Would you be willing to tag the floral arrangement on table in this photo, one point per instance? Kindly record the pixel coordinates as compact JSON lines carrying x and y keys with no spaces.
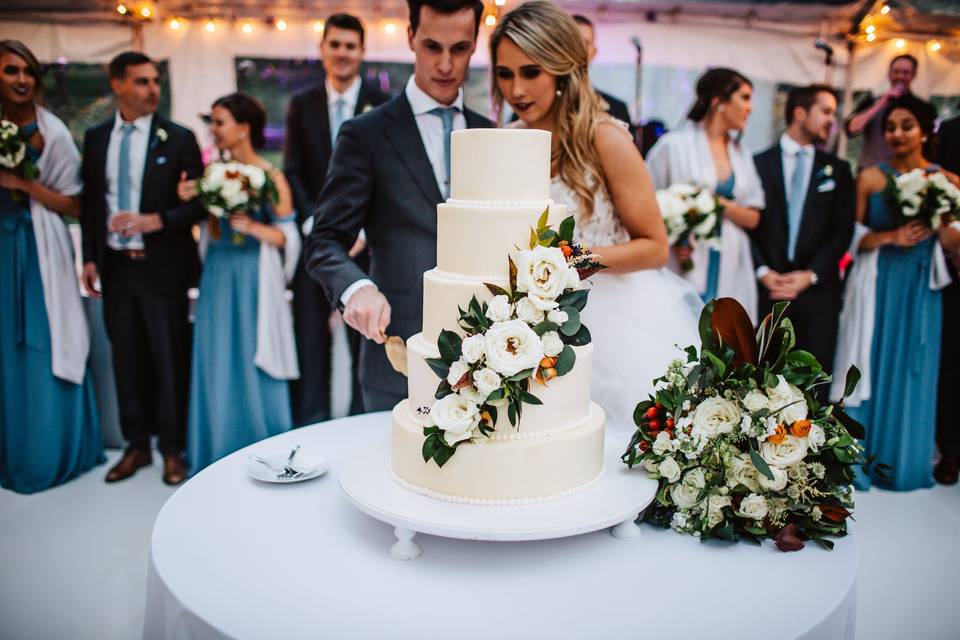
{"x":739,"y":442}
{"x":525,"y":333}
{"x":927,"y":196}
{"x":690,"y":213}
{"x":227,"y":188}
{"x":13,"y":153}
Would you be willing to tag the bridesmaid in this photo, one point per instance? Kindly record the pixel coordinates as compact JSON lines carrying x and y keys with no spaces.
{"x":238,"y":387}
{"x":900,"y":413}
{"x":706,"y":152}
{"x":49,"y":428}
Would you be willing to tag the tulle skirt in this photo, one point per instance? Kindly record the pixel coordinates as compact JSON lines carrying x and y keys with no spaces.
{"x":639,"y":323}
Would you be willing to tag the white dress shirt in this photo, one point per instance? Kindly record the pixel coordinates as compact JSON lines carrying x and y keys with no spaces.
{"x":431,"y":133}
{"x":139,"y":139}
{"x":350,"y":97}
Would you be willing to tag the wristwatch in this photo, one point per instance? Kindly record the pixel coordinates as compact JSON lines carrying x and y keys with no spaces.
{"x":814,"y":279}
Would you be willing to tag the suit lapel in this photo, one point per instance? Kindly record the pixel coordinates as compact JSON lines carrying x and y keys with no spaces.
{"x":321,"y":112}
{"x":154,"y":145}
{"x":808,"y":212}
{"x":362,"y":99}
{"x":475,"y":120}
{"x":404,"y":136}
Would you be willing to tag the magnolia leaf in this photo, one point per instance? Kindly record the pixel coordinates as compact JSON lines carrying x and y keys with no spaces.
{"x":496,"y":394}
{"x":430,"y":446}
{"x":450,"y":345}
{"x":731,"y":326}
{"x":566,"y":229}
{"x":496,"y":290}
{"x":439,"y":367}
{"x":853,"y":378}
{"x":443,"y":453}
{"x":717,"y":363}
{"x":565,"y":360}
{"x":572,"y":325}
{"x":853,"y":427}
{"x":760,"y":463}
{"x":640,"y":411}
{"x":512,"y":414}
{"x":443,"y":390}
{"x":529,"y":398}
{"x":691,"y":352}
{"x":706,"y":330}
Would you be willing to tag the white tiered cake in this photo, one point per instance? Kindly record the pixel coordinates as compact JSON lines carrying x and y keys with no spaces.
{"x":500,"y":185}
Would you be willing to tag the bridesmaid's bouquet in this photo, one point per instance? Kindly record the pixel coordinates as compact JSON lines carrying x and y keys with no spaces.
{"x":227,"y":188}
{"x":13,"y":153}
{"x":690,"y":213}
{"x":739,"y":442}
{"x":927,"y":196}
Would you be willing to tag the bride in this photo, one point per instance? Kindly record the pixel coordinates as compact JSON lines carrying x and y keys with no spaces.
{"x":640,"y":315}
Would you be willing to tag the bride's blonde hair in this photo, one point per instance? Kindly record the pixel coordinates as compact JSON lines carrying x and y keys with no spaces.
{"x":550,"y":37}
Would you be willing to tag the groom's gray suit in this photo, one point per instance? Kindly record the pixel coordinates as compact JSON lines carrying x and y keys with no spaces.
{"x":380,"y":180}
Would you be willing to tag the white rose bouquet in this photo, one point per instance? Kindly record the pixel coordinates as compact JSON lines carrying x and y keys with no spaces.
{"x":927,"y":196}
{"x":525,"y":333}
{"x":13,"y":153}
{"x":690,"y":213}
{"x":739,"y":442}
{"x":227,"y":188}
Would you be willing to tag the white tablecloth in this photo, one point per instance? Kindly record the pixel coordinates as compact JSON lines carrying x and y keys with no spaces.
{"x":235,"y":558}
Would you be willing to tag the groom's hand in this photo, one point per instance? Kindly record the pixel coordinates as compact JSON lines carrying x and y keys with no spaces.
{"x":368,"y":312}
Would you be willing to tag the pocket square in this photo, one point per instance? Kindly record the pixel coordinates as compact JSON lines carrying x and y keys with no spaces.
{"x":162,"y":160}
{"x":826,"y":185}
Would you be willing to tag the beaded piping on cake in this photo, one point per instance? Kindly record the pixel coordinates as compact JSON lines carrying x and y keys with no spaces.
{"x":522,"y":435}
{"x":493,"y":502}
{"x":459,"y":277}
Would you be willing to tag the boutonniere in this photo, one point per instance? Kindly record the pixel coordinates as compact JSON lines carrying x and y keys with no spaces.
{"x":828,"y":171}
{"x":367,"y":107}
{"x":160,"y":135}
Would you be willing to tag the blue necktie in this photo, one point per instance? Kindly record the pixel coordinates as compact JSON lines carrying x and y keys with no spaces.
{"x":338,"y":118}
{"x":446,"y":115}
{"x":798,"y":197}
{"x":123,"y":175}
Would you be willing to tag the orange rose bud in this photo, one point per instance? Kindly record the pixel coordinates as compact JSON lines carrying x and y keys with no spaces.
{"x":567,"y":250}
{"x":779,"y":435}
{"x":548,"y":362}
{"x":800,"y":428}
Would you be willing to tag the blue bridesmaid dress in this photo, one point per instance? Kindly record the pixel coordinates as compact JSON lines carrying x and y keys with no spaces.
{"x":724,"y":190}
{"x":232,"y":402}
{"x":49,"y":428}
{"x":900,"y":416}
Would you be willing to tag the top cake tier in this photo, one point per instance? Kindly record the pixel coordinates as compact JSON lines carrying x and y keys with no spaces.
{"x":500,"y":165}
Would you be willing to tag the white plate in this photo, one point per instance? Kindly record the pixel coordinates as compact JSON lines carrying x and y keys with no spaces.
{"x":311,"y":467}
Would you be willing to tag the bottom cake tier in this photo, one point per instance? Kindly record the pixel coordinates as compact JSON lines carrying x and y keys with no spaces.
{"x":509,"y":469}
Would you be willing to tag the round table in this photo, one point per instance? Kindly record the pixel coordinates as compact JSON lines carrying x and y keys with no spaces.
{"x":232,"y":557}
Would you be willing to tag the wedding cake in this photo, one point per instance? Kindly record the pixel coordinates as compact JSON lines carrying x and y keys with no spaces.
{"x":453,"y":438}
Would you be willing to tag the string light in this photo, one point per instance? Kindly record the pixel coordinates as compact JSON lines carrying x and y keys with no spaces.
{"x":122,"y":10}
{"x":145,"y":12}
{"x":174,"y":24}
{"x":390,"y":28}
{"x":871,"y":37}
{"x":935,"y":46}
{"x":900,"y":43}
{"x":247,"y":28}
{"x":885,"y":9}
{"x":491,"y":20}
{"x":499,"y":3}
{"x":318,"y":26}
{"x":281,"y":25}
{"x":870,"y":28}
{"x":210,"y":26}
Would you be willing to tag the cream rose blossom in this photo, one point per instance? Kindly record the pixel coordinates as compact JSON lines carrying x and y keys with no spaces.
{"x":754,"y":506}
{"x":487,"y":381}
{"x":529,"y":312}
{"x":542,"y":272}
{"x":669,"y":469}
{"x":472,"y":348}
{"x":512,"y":347}
{"x":499,"y":309}
{"x":789,"y":452}
{"x":552,"y":344}
{"x":457,"y":371}
{"x":456,"y":415}
{"x":714,"y":416}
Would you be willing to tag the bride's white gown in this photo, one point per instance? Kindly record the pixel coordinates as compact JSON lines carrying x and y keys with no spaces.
{"x":639,"y":321}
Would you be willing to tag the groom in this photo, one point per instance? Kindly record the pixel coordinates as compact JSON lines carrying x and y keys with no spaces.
{"x":807,"y":224}
{"x":389,"y":170}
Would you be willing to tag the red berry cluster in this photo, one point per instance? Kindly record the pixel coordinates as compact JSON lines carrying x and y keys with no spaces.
{"x":656,"y":420}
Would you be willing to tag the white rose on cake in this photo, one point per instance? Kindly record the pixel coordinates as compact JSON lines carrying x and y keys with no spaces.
{"x":754,"y":507}
{"x":552,"y":344}
{"x":457,"y":371}
{"x":573,"y":278}
{"x":714,"y":416}
{"x":472,"y":348}
{"x":472,"y":395}
{"x":784,"y":454}
{"x":487,"y":381}
{"x":512,"y":347}
{"x":529,"y":312}
{"x":787,"y":401}
{"x":499,"y":309}
{"x":542,"y":272}
{"x":456,"y":415}
{"x":558,"y":317}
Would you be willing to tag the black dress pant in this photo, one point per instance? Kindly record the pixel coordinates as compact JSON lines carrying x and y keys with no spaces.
{"x":948,"y":407}
{"x":150,"y":338}
{"x":310,"y":394}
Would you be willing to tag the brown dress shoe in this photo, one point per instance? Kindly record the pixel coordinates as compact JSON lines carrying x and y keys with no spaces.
{"x":947,"y":472}
{"x":132,"y":460}
{"x":174,"y":469}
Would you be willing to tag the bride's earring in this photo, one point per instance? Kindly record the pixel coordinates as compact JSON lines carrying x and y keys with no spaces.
{"x":923,"y":140}
{"x":720,"y":109}
{"x":559,"y":93}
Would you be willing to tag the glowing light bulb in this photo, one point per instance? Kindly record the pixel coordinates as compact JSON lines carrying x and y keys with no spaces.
{"x":390,"y":28}
{"x":318,"y":26}
{"x":122,"y":10}
{"x":174,"y":24}
{"x":146,"y":12}
{"x":935,"y":46}
{"x":491,"y":20}
{"x":870,"y":28}
{"x":885,"y":9}
{"x":281,"y":25}
{"x":900,"y":43}
{"x":210,"y":26}
{"x":247,"y":28}
{"x":499,"y":3}
{"x":871,"y":37}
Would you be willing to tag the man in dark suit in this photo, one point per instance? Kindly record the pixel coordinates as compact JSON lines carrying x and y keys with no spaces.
{"x":388,"y":173}
{"x":617,"y":108}
{"x":947,"y":470}
{"x":313,"y":121}
{"x":137,"y":241}
{"x":807,"y":224}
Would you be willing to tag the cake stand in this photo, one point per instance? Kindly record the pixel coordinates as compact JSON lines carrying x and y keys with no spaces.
{"x":613,"y":500}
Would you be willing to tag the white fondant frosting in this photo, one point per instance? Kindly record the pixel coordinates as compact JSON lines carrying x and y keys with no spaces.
{"x":500,"y":164}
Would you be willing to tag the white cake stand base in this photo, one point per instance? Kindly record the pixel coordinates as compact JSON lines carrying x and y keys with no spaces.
{"x":614,"y":500}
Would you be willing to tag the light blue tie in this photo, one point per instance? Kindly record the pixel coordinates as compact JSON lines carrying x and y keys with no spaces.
{"x":798,"y":197}
{"x":338,"y":118}
{"x":446,"y":115}
{"x":123,"y":175}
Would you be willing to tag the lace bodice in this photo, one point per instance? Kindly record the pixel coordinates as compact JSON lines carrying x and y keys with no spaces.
{"x":602,"y":228}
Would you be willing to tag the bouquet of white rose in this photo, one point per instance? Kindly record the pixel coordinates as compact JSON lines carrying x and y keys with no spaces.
{"x":741,"y":446}
{"x":927,"y":196}
{"x":690,"y":213}
{"x":525,"y":333}
{"x":13,"y":152}
{"x":232,"y":187}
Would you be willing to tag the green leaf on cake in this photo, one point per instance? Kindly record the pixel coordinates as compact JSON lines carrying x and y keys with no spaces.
{"x":443,"y":453}
{"x":439,"y":367}
{"x":526,"y":373}
{"x":450,"y":345}
{"x":529,"y":398}
{"x":565,"y":360}
{"x":543,"y":327}
{"x":548,"y":237}
{"x":576,"y":299}
{"x":542,"y":221}
{"x":580,"y":338}
{"x":566,"y":229}
{"x":572,"y":325}
{"x":496,"y":289}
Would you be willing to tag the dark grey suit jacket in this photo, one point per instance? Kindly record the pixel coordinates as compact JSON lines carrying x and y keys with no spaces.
{"x":380,"y":180}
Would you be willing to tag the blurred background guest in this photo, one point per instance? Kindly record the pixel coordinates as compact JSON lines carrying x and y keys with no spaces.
{"x":706,"y":151}
{"x":807,"y":223}
{"x":313,"y":121}
{"x":615,"y":107}
{"x":49,"y":428}
{"x":892,"y":315}
{"x":243,"y":346}
{"x":867,"y":118}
